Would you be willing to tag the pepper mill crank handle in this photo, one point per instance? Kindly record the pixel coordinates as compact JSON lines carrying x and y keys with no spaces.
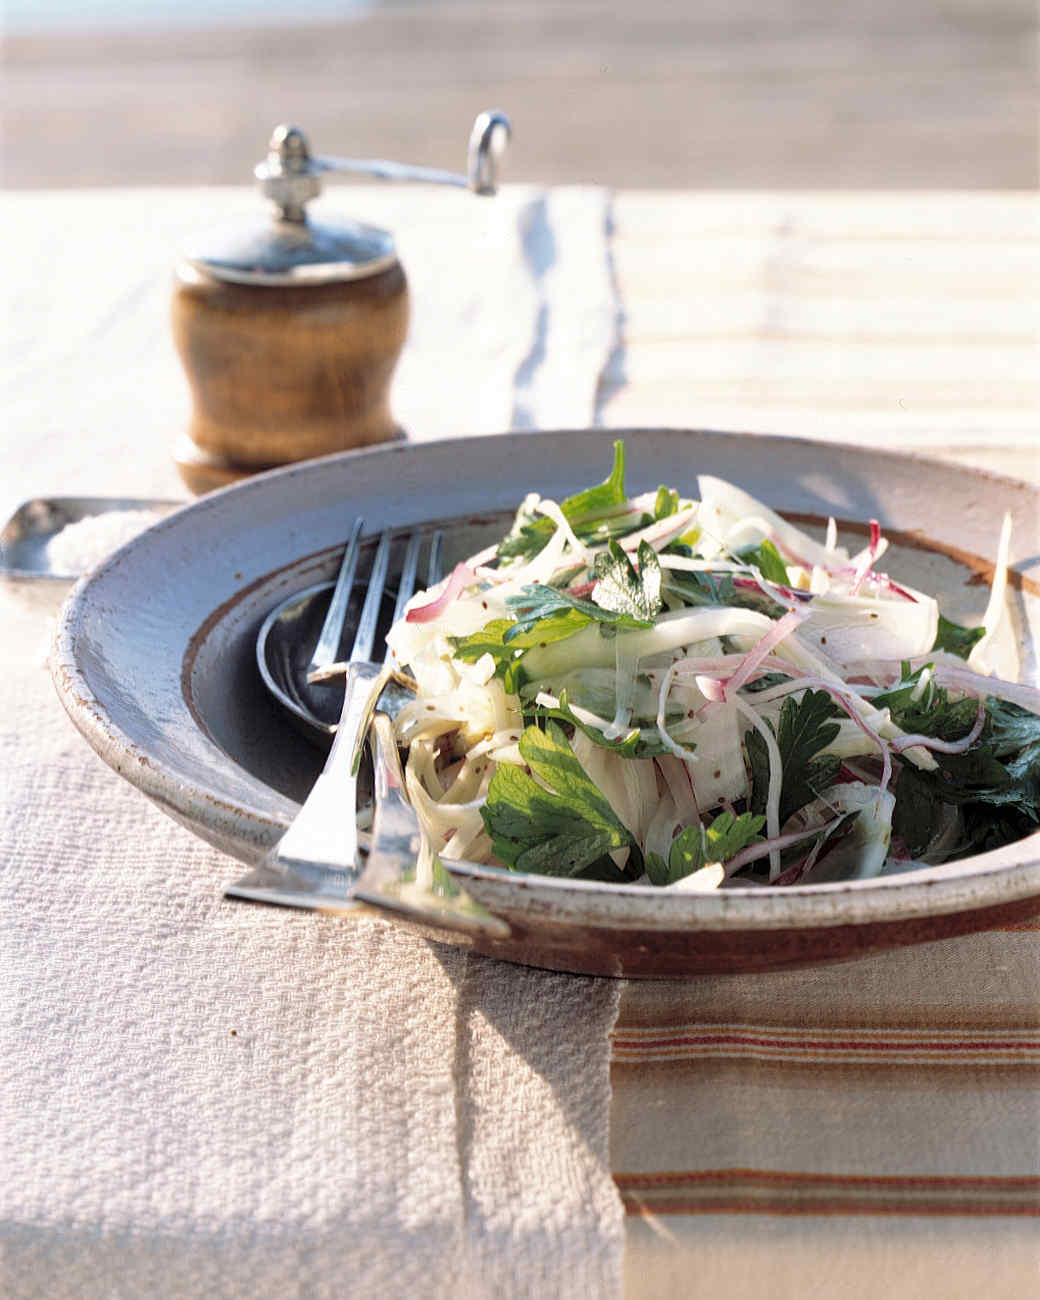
{"x":290,"y":175}
{"x":487,"y":144}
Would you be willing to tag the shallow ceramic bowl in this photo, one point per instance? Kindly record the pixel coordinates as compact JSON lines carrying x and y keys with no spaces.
{"x":155,"y":663}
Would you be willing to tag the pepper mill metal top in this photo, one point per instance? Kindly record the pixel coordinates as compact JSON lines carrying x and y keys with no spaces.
{"x":292,"y":249}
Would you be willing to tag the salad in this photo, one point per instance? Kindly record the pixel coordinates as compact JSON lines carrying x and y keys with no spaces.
{"x":691,"y":693}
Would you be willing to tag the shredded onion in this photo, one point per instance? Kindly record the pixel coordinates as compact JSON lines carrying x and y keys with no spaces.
{"x":462,"y":575}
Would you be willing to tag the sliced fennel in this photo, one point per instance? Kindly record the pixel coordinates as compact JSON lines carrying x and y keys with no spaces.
{"x":626,"y":686}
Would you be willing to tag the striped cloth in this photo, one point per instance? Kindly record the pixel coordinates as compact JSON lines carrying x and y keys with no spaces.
{"x":875,"y":1122}
{"x":869,"y":1129}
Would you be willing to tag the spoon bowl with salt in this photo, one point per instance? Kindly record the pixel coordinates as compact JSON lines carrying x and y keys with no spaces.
{"x":50,"y":542}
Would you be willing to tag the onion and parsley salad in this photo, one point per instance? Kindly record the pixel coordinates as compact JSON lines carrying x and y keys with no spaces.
{"x":683,"y":693}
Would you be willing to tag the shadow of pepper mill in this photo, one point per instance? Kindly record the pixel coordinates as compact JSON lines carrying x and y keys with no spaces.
{"x":289,"y":332}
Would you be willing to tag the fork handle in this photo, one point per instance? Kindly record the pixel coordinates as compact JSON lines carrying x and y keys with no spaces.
{"x":391,"y":879}
{"x":324,"y":834}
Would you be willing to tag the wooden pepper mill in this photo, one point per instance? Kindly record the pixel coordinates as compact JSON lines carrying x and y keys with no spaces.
{"x":289,"y":333}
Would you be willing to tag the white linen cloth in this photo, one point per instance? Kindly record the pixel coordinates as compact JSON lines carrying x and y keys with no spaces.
{"x":199,"y":1098}
{"x":908,"y":320}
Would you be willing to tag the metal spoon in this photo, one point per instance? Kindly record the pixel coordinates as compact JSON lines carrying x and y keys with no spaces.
{"x":289,"y":641}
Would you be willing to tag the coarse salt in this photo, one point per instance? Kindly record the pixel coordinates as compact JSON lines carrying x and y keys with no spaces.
{"x":86,"y":542}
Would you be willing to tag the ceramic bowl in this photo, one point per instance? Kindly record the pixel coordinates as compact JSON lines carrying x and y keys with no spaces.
{"x":155,"y":662}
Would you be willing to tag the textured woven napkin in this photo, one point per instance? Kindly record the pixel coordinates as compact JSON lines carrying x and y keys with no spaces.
{"x":199,"y":1098}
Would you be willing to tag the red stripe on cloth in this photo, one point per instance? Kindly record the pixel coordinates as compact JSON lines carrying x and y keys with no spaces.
{"x":976,"y":1182}
{"x":865,"y":1043}
{"x":910,"y":1209}
{"x":761,"y":1191}
{"x":1011,"y":1049}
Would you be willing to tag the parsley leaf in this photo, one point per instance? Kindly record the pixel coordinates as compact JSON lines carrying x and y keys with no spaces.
{"x":551,"y":820}
{"x":594,"y":500}
{"x":806,"y":727}
{"x":766,"y":559}
{"x":956,"y":639}
{"x":490,"y":640}
{"x":637,"y":743}
{"x":620,"y":588}
{"x":555,"y":616}
{"x":696,"y":846}
{"x":582,"y":511}
{"x":665,"y":503}
{"x":559,"y":614}
{"x":700,"y":588}
{"x":916,"y":811}
{"x":901,"y":694}
{"x":928,"y":711}
{"x":623,"y":598}
{"x":707,"y":588}
{"x":506,"y":639}
{"x":996,"y":785}
{"x":1013,"y":734}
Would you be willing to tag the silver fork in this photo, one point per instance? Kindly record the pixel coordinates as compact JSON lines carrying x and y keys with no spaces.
{"x":316,"y":862}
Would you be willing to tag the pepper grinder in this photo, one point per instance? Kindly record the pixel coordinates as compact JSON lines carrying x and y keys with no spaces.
{"x":289,"y":332}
